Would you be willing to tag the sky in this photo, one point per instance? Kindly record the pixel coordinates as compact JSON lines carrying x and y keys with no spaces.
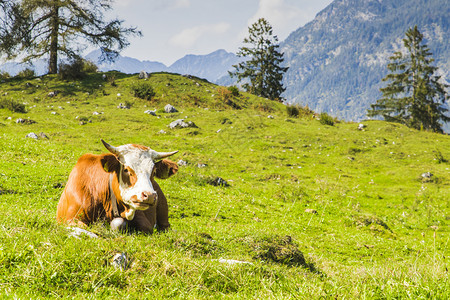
{"x":174,"y":28}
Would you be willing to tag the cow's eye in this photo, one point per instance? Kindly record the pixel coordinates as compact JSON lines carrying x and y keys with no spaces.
{"x":125,"y":171}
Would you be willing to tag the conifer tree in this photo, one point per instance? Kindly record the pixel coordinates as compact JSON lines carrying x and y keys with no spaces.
{"x":47,"y":28}
{"x":413,"y":96}
{"x":262,"y":74}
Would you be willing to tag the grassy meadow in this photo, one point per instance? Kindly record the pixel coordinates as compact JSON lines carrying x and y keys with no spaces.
{"x":314,"y":210}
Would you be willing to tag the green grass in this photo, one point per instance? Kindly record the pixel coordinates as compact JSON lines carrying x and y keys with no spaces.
{"x":379,"y":230}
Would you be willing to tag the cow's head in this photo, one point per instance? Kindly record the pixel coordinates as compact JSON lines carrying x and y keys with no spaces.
{"x":137,"y":165}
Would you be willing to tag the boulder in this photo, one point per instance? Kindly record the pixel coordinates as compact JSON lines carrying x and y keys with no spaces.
{"x":43,"y":135}
{"x":121,"y":261}
{"x":182,"y":163}
{"x":25,"y":121}
{"x":180,"y":123}
{"x":150,"y":112}
{"x":170,"y":109}
{"x":143,"y":75}
{"x":123,"y":106}
{"x":32,"y":135}
{"x":218,"y":181}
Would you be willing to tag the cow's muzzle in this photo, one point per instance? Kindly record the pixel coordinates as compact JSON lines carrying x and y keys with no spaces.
{"x":146,"y":199}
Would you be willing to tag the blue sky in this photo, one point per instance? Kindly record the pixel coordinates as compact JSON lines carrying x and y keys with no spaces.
{"x":174,"y":28}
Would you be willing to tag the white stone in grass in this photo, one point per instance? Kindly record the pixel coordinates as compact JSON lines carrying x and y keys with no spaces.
{"x":121,"y":261}
{"x":233,"y":261}
{"x":32,"y":135}
{"x":76,"y":232}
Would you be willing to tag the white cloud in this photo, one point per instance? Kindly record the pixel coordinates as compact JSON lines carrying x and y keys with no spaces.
{"x":155,"y":4}
{"x":189,"y":36}
{"x":283,"y":16}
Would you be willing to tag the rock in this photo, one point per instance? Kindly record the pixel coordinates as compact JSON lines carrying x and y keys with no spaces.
{"x":218,"y":182}
{"x":123,"y":106}
{"x":104,"y":77}
{"x":170,"y":109}
{"x":270,"y":117}
{"x":52,"y":94}
{"x":200,"y":165}
{"x":43,"y":135}
{"x":32,"y":135}
{"x":361,"y":126}
{"x":143,"y":75}
{"x":119,"y":95}
{"x":121,"y":261}
{"x":76,"y":232}
{"x":25,"y":121}
{"x":182,"y":163}
{"x":161,"y":132}
{"x":427,"y":175}
{"x":150,"y":112}
{"x":95,"y":113}
{"x":311,"y":211}
{"x":233,"y":261}
{"x":181,"y":124}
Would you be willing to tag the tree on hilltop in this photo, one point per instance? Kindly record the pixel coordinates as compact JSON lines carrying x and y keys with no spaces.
{"x":32,"y":29}
{"x":262,"y":73}
{"x":413,"y":96}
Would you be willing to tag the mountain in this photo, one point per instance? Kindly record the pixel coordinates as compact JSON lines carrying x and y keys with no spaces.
{"x":337,"y":61}
{"x":210,"y":66}
{"x":125,"y":64}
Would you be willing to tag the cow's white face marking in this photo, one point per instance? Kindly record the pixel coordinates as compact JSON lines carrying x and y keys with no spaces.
{"x":137,"y":163}
{"x":135,"y":185}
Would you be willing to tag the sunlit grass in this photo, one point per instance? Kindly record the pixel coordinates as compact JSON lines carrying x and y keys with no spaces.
{"x":353,"y":202}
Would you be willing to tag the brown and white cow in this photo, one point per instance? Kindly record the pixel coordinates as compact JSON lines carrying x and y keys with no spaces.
{"x":118,"y":185}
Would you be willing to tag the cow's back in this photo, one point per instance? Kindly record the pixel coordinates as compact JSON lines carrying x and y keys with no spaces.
{"x":87,"y":189}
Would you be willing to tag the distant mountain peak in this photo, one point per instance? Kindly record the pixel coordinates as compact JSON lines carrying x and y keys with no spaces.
{"x":336,"y":62}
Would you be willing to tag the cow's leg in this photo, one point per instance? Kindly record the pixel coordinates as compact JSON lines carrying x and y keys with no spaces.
{"x":144,"y":220}
{"x":162,"y":210}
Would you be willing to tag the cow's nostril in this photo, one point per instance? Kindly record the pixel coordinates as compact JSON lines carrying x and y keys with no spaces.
{"x":144,"y":195}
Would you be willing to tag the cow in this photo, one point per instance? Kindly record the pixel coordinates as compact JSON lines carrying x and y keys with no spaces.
{"x":118,"y":186}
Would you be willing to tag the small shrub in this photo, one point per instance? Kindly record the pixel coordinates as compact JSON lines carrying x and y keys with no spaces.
{"x":292,"y":111}
{"x":111,"y":79}
{"x":234,"y":90}
{"x":4,"y":75}
{"x":439,"y":158}
{"x":72,"y":71}
{"x":143,"y":90}
{"x":89,"y":67}
{"x":326,"y":119}
{"x":280,"y":250}
{"x":12,"y":105}
{"x":128,"y":104}
{"x":26,"y":73}
{"x":224,"y":93}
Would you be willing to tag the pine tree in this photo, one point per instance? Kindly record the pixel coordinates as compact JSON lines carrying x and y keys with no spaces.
{"x":262,"y":74}
{"x":413,"y":96}
{"x":50,"y":28}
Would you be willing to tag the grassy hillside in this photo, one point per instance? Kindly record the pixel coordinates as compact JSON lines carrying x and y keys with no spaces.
{"x":316,"y":210}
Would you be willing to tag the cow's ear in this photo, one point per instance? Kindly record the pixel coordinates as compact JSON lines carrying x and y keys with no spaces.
{"x":110,"y":163}
{"x":165,"y":168}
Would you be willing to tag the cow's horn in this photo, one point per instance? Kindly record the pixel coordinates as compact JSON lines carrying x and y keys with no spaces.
{"x":161,"y":155}
{"x":110,"y":148}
